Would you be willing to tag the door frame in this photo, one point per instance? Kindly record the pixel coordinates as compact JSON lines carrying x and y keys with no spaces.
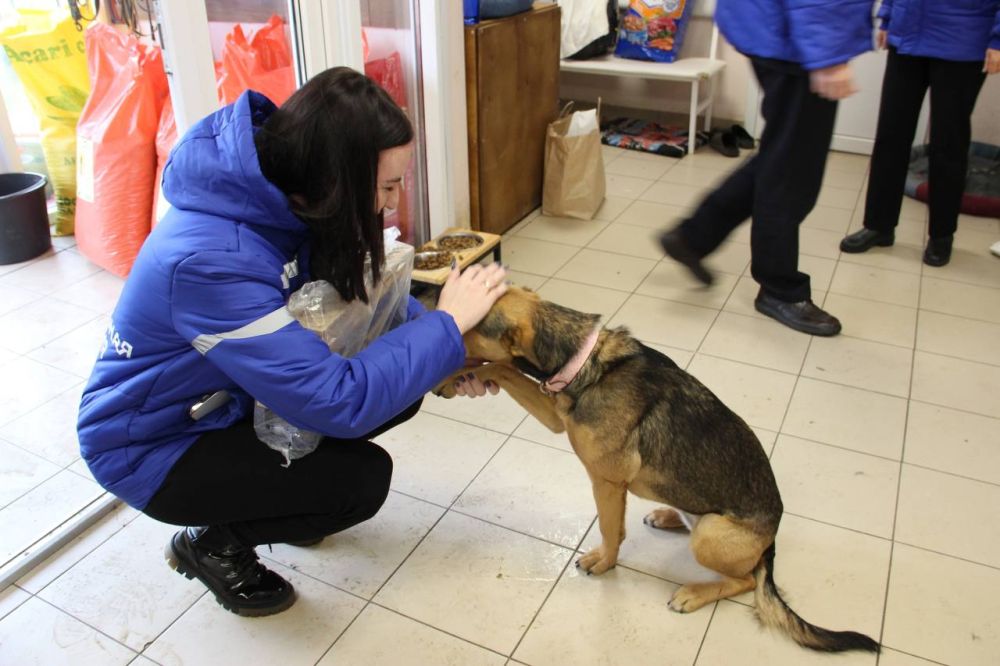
{"x":10,"y":159}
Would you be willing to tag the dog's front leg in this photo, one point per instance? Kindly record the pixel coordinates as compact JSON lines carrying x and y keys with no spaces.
{"x":610,"y":498}
{"x":525,"y":393}
{"x":523,"y":389}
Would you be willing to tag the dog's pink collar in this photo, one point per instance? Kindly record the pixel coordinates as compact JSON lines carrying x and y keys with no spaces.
{"x":565,"y":377}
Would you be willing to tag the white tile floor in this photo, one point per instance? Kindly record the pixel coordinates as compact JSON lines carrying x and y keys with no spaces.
{"x":885,"y":442}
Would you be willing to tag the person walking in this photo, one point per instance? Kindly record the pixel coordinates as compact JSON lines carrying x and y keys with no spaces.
{"x":800,"y":53}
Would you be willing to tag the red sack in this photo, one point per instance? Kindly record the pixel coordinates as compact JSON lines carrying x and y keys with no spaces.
{"x":388,"y":73}
{"x":116,"y":152}
{"x":263,"y":64}
{"x":166,"y":137}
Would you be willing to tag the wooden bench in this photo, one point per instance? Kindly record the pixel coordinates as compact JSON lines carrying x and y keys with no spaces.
{"x":693,"y":71}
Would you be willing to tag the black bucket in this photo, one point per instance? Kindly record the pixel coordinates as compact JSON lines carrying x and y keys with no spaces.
{"x":24,"y":218}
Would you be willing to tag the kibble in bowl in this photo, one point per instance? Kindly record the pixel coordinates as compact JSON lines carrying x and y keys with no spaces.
{"x":431,"y":261}
{"x":460,"y":241}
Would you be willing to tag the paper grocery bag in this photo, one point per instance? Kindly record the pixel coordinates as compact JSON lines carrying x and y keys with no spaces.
{"x":574,"y":166}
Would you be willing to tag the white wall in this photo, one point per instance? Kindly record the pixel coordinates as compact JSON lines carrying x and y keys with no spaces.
{"x":731,"y":95}
{"x":637,"y":93}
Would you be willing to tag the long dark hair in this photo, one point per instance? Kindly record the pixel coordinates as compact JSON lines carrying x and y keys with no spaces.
{"x":321,"y":148}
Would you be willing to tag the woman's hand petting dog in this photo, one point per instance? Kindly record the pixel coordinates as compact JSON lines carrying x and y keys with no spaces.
{"x":469,"y":295}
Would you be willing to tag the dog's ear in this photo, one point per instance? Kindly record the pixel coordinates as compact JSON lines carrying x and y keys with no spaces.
{"x":506,"y":331}
{"x":497,"y":334}
{"x":494,"y":326}
{"x":511,"y":340}
{"x":510,"y":322}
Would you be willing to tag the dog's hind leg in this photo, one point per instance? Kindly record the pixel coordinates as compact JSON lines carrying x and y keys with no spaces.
{"x":693,"y":596}
{"x":610,"y":497}
{"x":729,"y":547}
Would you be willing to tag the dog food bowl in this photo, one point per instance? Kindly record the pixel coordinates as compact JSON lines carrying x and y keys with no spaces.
{"x":459,"y":241}
{"x":432,"y":260}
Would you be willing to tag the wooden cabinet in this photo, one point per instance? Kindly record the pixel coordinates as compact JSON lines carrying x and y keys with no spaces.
{"x":512,"y":94}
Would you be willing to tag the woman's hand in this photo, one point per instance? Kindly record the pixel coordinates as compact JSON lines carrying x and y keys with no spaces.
{"x":473,"y":386}
{"x":881,"y":39}
{"x":468,"y":296}
{"x":834,"y":82}
{"x":992,"y":64}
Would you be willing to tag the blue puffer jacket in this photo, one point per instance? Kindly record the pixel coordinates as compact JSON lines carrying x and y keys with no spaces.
{"x":959,"y":30}
{"x":812,"y":33}
{"x":204,"y":310}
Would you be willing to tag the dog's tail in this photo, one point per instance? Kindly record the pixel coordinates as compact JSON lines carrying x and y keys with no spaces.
{"x":774,"y":612}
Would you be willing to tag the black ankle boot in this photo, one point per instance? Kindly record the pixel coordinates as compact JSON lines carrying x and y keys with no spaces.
{"x":938,"y":251}
{"x":232,"y":572}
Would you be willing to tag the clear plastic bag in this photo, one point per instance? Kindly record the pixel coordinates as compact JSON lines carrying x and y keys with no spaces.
{"x":346,"y":327}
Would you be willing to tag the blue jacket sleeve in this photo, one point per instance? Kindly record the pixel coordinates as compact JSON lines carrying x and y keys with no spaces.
{"x":995,"y":35}
{"x":884,"y":12}
{"x":236,"y":316}
{"x":414,"y":309}
{"x":829,"y":33}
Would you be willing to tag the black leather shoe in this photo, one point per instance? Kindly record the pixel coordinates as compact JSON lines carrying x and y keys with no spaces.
{"x":306,"y":543}
{"x":677,"y":249}
{"x":803,"y":316}
{"x":724,"y":142}
{"x":938,"y":251}
{"x":864,"y":240}
{"x":233,"y":573}
{"x":743,"y":138}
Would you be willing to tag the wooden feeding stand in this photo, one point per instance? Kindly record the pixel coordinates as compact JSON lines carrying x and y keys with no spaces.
{"x":466,"y":256}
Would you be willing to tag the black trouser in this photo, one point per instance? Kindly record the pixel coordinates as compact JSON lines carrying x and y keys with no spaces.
{"x":778,"y":186}
{"x":954,"y":88}
{"x":230,"y":479}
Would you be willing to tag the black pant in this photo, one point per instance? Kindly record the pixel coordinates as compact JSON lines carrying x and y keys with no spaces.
{"x":229,"y":478}
{"x":954,"y":88}
{"x":778,"y":186}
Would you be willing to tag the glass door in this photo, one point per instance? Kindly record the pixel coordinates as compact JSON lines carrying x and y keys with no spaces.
{"x":391,"y":43}
{"x":21,"y":129}
{"x":252,"y":47}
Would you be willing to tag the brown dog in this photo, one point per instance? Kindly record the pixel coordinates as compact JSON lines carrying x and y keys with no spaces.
{"x":640,"y":423}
